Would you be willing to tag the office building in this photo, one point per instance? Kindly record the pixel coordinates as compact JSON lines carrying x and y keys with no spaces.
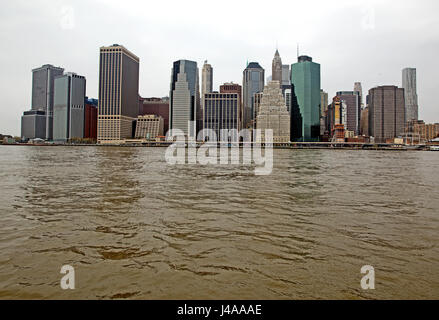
{"x":91,"y":119}
{"x":353,"y":109}
{"x":231,"y":87}
{"x":386,"y":113}
{"x":118,"y":94}
{"x":184,"y":101}
{"x":33,"y":125}
{"x":221,"y":111}
{"x":305,"y":78}
{"x":43,"y":93}
{"x":358,"y":88}
{"x":410,"y":94}
{"x":273,"y":113}
{"x":68,"y":109}
{"x":149,"y":127}
{"x":253,"y":82}
{"x":276,"y":68}
{"x":364,"y":122}
{"x":157,"y":106}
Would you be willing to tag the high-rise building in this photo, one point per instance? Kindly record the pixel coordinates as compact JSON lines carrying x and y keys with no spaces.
{"x":287,"y":95}
{"x":286,"y":76}
{"x":358,"y":88}
{"x":43,"y":93}
{"x":118,"y":93}
{"x":184,"y":101}
{"x":257,"y":99}
{"x":68,"y":108}
{"x":33,"y":125}
{"x":206,"y":78}
{"x":91,"y":119}
{"x":231,"y":87}
{"x":411,"y":96}
{"x":323,"y":102}
{"x":157,"y":106}
{"x":253,"y":82}
{"x":364,"y":122}
{"x":353,"y":109}
{"x":305,"y":78}
{"x":276,"y":71}
{"x":386,"y":112}
{"x":221,"y":111}
{"x":273,"y":113}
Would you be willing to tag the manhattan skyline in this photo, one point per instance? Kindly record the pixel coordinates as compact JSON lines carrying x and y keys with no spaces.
{"x":370,"y":45}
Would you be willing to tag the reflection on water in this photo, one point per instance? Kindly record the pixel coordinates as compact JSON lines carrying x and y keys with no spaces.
{"x":134,"y":227}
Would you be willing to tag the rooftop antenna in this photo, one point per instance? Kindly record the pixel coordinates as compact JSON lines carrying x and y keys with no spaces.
{"x":297,"y":50}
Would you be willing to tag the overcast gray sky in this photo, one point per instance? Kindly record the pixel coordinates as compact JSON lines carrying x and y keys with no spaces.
{"x":353,"y":40}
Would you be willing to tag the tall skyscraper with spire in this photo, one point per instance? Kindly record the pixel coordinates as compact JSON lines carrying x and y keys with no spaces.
{"x":276,"y":71}
{"x":411,"y":97}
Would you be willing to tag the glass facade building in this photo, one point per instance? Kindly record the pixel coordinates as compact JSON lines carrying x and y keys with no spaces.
{"x":253,"y":82}
{"x":305,"y":80}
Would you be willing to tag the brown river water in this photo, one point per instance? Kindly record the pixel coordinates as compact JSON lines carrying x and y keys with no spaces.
{"x":135,"y":227}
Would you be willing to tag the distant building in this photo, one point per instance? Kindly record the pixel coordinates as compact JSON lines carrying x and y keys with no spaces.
{"x":33,"y":125}
{"x":323,"y":111}
{"x":364,"y":122}
{"x":91,"y":119}
{"x":68,"y":109}
{"x":257,"y":98}
{"x":273,"y":114}
{"x":386,"y":113}
{"x":253,"y":82}
{"x":286,"y":76}
{"x":157,"y":106}
{"x":410,"y":93}
{"x":221,"y":111}
{"x":420,"y":131}
{"x":184,"y":104}
{"x":305,"y":79}
{"x":276,"y":71}
{"x":43,"y":93}
{"x":353,"y":109}
{"x":358,"y":88}
{"x":118,"y":93}
{"x":231,"y":87}
{"x":149,"y":127}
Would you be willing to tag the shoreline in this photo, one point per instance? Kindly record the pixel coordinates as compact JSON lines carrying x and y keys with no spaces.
{"x":281,"y":146}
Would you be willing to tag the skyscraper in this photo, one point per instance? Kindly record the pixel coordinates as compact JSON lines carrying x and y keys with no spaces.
{"x":286,"y":77}
{"x":353,"y":109}
{"x":68,"y":109}
{"x":43,"y":93}
{"x":273,"y":113}
{"x":118,"y":93}
{"x":184,"y":103}
{"x":305,"y":78}
{"x":276,"y":71}
{"x":358,"y":88}
{"x":206,"y":81}
{"x":221,"y":111}
{"x":386,"y":112}
{"x":253,"y":82}
{"x":411,"y":96}
{"x":231,"y":87}
{"x":206,"y":78}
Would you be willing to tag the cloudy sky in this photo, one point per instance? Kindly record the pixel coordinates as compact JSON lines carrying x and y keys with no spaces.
{"x":353,"y":40}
